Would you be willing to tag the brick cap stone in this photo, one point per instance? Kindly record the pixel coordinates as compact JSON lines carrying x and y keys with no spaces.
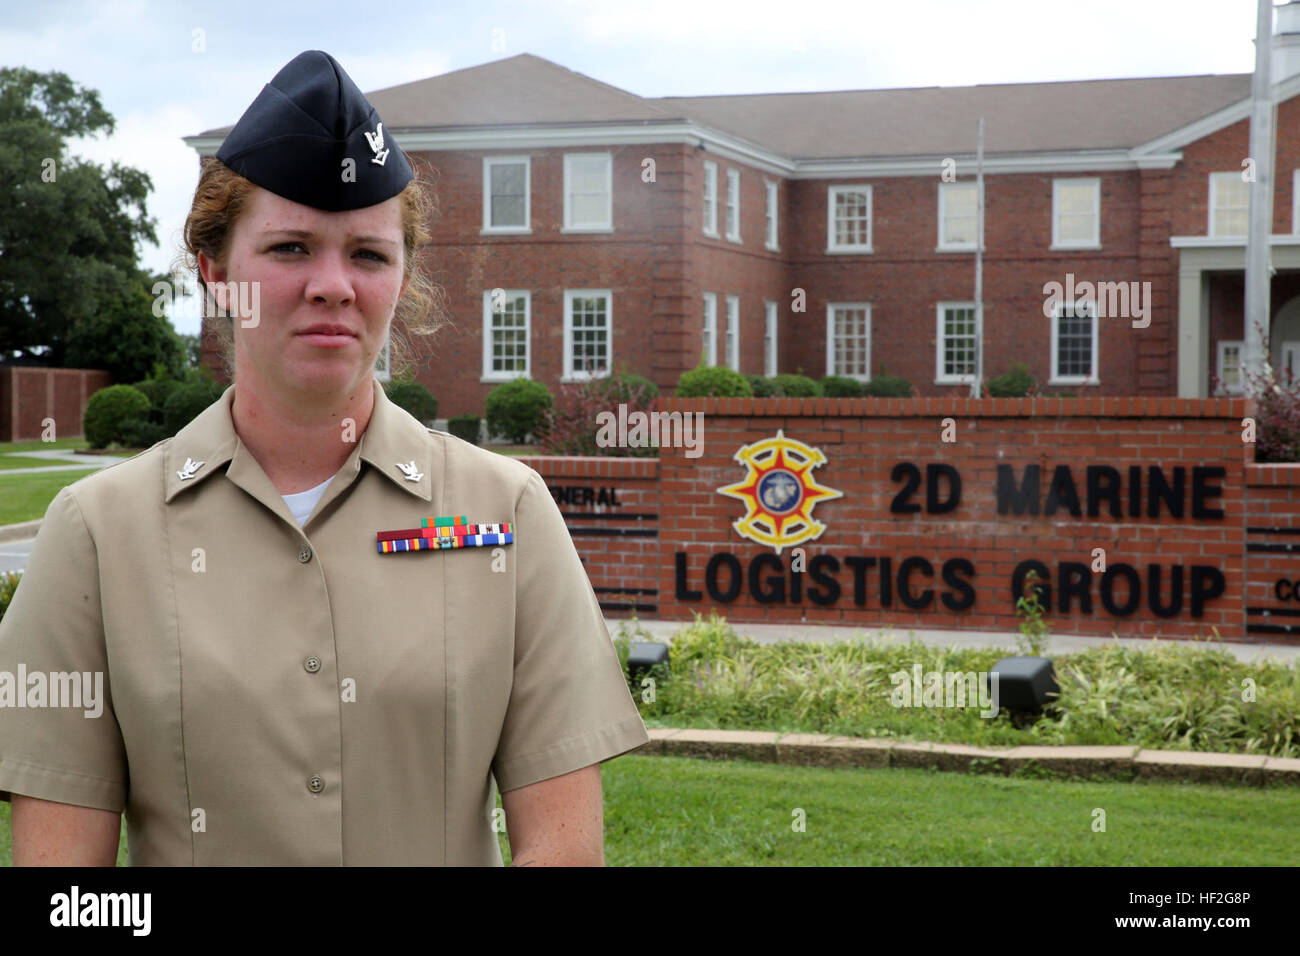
{"x":1194,"y":758}
{"x":822,"y":749}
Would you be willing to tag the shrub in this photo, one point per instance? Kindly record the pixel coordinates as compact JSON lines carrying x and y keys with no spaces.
{"x":627,"y":387}
{"x":465,"y":427}
{"x":796,"y":386}
{"x":413,"y":398}
{"x":1277,"y":412}
{"x":140,"y":433}
{"x":713,"y":380}
{"x":888,"y":386}
{"x":763,"y":387}
{"x":8,"y":585}
{"x":514,"y":408}
{"x":108,"y":409}
{"x":186,"y":402}
{"x":573,"y":425}
{"x":157,"y":390}
{"x":1014,"y":384}
{"x":840,"y":386}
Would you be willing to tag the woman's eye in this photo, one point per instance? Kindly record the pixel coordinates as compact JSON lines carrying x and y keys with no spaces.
{"x":289,"y":246}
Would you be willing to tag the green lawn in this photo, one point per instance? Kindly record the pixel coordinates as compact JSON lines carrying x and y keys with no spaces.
{"x":26,"y":497}
{"x":673,"y":811}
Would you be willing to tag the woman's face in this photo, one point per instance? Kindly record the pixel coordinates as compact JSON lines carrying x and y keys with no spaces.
{"x":324,"y":284}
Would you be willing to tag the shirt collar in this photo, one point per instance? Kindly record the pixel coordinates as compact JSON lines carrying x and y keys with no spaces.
{"x":392,"y":439}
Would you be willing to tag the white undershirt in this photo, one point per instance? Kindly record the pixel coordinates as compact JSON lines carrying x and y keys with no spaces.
{"x":302,"y":503}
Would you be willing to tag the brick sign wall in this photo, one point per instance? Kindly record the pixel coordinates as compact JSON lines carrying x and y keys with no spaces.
{"x":1146,"y":516}
{"x":611,"y":508}
{"x":30,"y":395}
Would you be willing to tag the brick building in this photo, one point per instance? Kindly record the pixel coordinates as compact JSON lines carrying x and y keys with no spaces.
{"x":583,"y":227}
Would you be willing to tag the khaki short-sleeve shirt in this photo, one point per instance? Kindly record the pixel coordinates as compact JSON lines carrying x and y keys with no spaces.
{"x":284,"y":694}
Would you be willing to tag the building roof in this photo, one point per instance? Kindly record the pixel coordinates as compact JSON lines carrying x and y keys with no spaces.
{"x":527,"y":90}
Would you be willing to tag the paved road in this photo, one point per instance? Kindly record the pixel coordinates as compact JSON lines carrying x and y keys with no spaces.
{"x":14,"y":554}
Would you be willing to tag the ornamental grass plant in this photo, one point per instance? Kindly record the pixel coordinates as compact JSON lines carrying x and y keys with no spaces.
{"x":1168,"y":695}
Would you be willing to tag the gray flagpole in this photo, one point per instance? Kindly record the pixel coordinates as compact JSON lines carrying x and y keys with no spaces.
{"x":1258,"y":259}
{"x":979,"y":263}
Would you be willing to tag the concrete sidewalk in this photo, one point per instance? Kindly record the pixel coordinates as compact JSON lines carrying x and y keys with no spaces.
{"x":59,"y":459}
{"x":1006,"y":640}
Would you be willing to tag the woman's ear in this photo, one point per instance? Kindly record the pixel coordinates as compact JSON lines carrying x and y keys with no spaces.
{"x":214,"y":277}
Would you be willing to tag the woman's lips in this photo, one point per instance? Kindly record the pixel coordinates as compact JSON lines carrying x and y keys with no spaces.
{"x":329,"y":340}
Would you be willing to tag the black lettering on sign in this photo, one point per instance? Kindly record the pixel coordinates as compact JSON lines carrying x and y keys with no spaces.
{"x":932,"y":473}
{"x":900,"y":505}
{"x":1020,"y":499}
{"x":774,"y":593}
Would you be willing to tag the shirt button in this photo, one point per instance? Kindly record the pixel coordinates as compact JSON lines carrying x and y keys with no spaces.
{"x":312,"y":664}
{"x":315,"y":783}
{"x":305,"y":554}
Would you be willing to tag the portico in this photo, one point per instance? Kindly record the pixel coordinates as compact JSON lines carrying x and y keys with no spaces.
{"x":1200,"y":258}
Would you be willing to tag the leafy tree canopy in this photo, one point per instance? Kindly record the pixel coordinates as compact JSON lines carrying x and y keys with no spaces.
{"x":68,"y":231}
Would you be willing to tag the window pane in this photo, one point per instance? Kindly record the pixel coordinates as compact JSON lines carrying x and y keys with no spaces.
{"x":507,"y":194}
{"x":588,"y":322}
{"x":1077,"y":199}
{"x":850,"y":341}
{"x":851,"y":218}
{"x":1074,"y":341}
{"x":959,"y":341}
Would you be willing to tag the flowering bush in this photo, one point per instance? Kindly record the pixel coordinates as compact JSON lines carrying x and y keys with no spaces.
{"x":1277,"y":415}
{"x":571,"y":425}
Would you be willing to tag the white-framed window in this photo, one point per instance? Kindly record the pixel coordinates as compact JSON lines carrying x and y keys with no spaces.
{"x":1289,"y":369}
{"x":769,"y":338}
{"x":848,"y":339}
{"x":1074,"y":344}
{"x":588,"y":192}
{"x":733,"y":205}
{"x":958,"y":215}
{"x":710,"y":328}
{"x":711,"y":198}
{"x":1231,"y":367}
{"x":588,"y":330}
{"x":1229,"y":205}
{"x":770,"y":223}
{"x":506,"y":196}
{"x":1076,"y":213}
{"x":733,"y":333}
{"x":507,"y":315}
{"x":955,"y":343}
{"x":383,"y":361}
{"x":848,"y":219}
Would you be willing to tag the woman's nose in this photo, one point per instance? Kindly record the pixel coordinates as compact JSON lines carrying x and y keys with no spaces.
{"x":329,"y":283}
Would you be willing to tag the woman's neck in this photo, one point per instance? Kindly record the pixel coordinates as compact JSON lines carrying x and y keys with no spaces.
{"x":299,"y":447}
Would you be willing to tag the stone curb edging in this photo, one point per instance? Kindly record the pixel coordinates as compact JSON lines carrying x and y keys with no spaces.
{"x":17,"y":532}
{"x":823,"y":750}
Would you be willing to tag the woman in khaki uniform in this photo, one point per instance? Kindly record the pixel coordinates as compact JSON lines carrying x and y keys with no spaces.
{"x":275,"y":688}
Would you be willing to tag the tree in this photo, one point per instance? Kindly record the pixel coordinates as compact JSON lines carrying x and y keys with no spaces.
{"x":124,"y":337}
{"x":68,"y":228}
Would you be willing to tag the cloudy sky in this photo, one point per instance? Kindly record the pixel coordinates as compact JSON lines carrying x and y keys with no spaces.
{"x":144,"y":60}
